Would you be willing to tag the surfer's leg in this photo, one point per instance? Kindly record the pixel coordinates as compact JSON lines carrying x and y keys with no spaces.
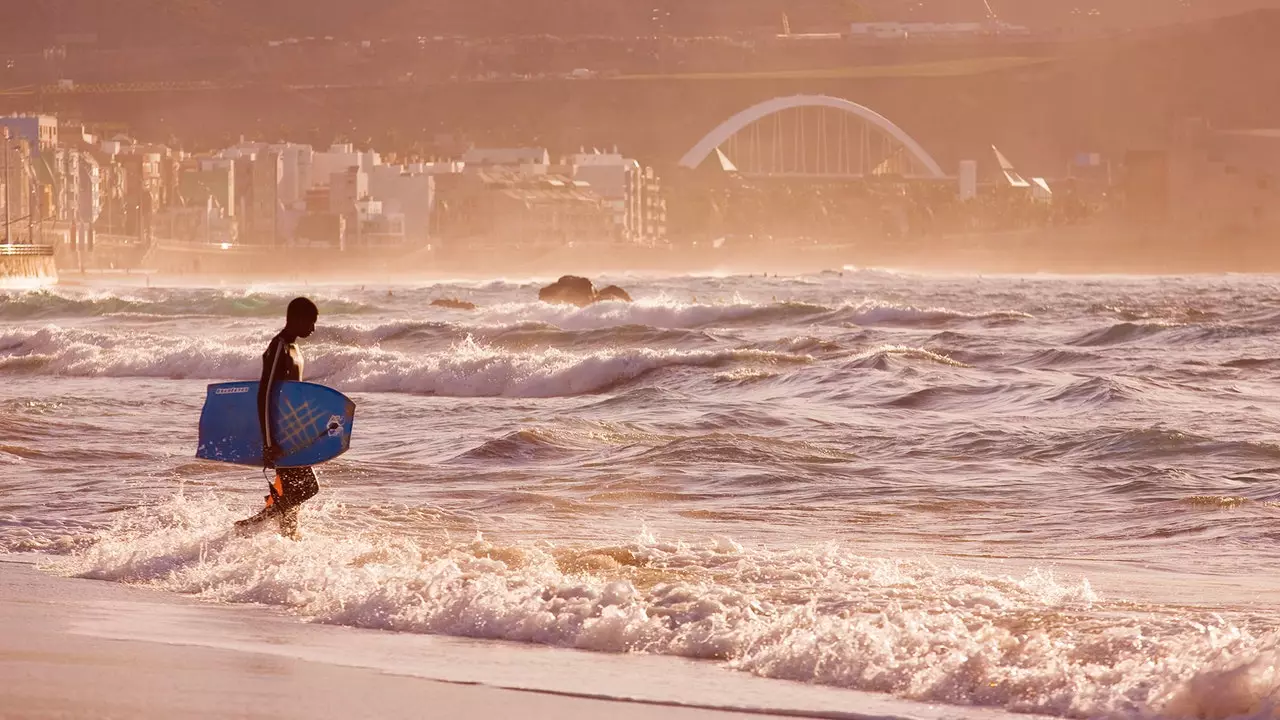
{"x":297,"y":485}
{"x":289,"y":523}
{"x":248,"y":524}
{"x":275,"y":490}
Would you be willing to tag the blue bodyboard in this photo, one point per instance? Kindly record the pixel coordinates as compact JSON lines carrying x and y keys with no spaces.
{"x":312,"y":424}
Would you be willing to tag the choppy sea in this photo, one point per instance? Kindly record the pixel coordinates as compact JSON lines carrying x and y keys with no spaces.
{"x":1046,"y":494}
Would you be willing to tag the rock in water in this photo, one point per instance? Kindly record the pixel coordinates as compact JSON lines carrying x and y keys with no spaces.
{"x":613,"y":292}
{"x":579,"y":291}
{"x":453,"y":304}
{"x":569,"y":289}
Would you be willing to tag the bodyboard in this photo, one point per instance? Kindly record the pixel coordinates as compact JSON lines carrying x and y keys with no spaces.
{"x":312,"y":424}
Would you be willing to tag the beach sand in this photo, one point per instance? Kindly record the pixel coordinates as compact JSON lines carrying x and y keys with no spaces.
{"x":72,"y":648}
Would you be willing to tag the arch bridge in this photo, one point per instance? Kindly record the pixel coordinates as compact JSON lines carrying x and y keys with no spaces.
{"x":813,"y":136}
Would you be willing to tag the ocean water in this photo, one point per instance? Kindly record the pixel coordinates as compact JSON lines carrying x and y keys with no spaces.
{"x":1054,"y":495}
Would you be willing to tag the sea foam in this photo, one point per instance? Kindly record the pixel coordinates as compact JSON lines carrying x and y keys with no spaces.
{"x":825,"y":613}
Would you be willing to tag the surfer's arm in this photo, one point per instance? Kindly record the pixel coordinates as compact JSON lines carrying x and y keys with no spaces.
{"x":270,"y":375}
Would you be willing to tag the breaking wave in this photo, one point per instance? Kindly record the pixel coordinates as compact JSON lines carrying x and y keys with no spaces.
{"x":525,"y":334}
{"x":823,"y":614}
{"x":466,"y":369}
{"x":58,"y":303}
{"x":664,"y":312}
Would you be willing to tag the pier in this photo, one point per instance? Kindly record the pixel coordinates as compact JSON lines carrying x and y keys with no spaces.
{"x":25,"y":265}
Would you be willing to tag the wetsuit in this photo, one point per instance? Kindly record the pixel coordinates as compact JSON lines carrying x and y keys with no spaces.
{"x":282,"y":362}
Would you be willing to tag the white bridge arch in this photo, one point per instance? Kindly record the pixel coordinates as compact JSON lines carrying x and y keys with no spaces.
{"x":730,"y":127}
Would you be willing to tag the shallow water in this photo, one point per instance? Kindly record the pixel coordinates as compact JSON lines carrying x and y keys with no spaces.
{"x":1043,"y":494}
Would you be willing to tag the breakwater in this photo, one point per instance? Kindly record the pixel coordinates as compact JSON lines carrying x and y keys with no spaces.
{"x":24,"y":265}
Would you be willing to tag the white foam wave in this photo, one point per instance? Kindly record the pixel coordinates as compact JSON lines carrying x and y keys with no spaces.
{"x":883,"y":351}
{"x":821,"y":614}
{"x":746,"y":375}
{"x":374,"y":333}
{"x":89,"y":353}
{"x":466,"y":369}
{"x":873,"y":312}
{"x":57,"y":302}
{"x":661,"y":312}
{"x":669,"y":313}
{"x":470,"y":369}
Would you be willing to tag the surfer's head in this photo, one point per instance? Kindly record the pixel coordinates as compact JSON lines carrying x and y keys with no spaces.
{"x":300,"y":319}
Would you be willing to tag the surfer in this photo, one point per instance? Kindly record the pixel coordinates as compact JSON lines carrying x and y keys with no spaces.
{"x":283,"y":362}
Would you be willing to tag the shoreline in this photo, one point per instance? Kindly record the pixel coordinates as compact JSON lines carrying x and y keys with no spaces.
{"x":79,"y":648}
{"x":85,"y":648}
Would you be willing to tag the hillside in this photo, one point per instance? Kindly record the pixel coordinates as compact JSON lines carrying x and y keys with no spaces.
{"x":1107,"y":95}
{"x":140,"y":23}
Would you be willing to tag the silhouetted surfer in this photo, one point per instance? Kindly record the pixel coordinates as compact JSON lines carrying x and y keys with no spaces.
{"x":282,"y":362}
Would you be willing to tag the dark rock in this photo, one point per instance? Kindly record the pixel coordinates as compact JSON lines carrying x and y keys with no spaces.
{"x":613,"y":292}
{"x":453,"y":304}
{"x":569,"y":289}
{"x":579,"y":291}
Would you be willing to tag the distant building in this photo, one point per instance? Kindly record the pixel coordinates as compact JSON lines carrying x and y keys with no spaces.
{"x":264,"y":198}
{"x":339,"y":158}
{"x":531,"y":158}
{"x":67,"y":186}
{"x":375,"y":226}
{"x":346,"y":188}
{"x":297,"y":163}
{"x":141,"y":192}
{"x":630,"y":191}
{"x":408,"y":191}
{"x":16,"y":194}
{"x":37,"y":181}
{"x":90,"y":207}
{"x":612,"y":178}
{"x":39,"y":130}
{"x":204,"y":199}
{"x":137,"y":182}
{"x":111,"y":188}
{"x":209,"y":181}
{"x":504,"y":208}
{"x":652,"y":225}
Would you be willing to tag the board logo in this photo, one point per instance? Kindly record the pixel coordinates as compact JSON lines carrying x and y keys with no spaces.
{"x":231,"y":390}
{"x":335,"y":425}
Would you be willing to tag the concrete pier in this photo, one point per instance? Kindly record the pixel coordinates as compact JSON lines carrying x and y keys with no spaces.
{"x":25,"y":265}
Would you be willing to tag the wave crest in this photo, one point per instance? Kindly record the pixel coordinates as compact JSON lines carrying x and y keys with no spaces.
{"x":879,"y":358}
{"x":162,"y":302}
{"x":466,"y":369}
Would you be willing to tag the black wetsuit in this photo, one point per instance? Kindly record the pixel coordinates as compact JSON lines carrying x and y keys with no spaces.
{"x":282,"y":362}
